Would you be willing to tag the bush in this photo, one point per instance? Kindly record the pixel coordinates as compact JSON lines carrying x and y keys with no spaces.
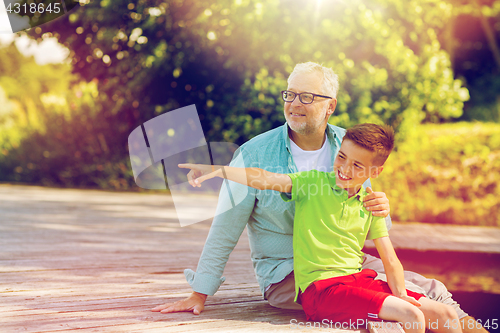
{"x":448,"y":174}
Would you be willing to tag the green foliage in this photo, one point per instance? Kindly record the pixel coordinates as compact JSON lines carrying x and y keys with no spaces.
{"x":472,"y":39}
{"x":449,"y":173}
{"x":51,"y":132}
{"x":27,"y":92}
{"x":231,"y":58}
{"x":75,"y":151}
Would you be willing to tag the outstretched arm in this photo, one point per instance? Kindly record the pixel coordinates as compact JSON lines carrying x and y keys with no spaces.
{"x":254,"y":177}
{"x":393,"y":269}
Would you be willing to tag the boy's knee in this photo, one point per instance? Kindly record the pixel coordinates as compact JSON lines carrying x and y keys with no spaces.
{"x":414,"y":315}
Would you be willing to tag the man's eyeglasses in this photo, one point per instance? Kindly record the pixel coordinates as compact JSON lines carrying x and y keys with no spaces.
{"x":305,"y":97}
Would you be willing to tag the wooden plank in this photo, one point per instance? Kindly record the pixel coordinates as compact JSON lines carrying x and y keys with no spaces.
{"x":97,"y":261}
{"x":221,"y":314}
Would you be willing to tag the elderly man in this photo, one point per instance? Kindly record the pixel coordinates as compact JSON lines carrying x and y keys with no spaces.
{"x":306,"y":141}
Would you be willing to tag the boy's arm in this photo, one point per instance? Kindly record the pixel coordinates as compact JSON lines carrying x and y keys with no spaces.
{"x":254,"y":177}
{"x":393,"y":269}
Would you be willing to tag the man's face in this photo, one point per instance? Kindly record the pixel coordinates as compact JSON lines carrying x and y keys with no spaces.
{"x":354,"y":165}
{"x":308,"y":118}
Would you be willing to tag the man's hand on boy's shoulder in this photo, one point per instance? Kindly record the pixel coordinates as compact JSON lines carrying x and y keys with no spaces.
{"x":377,"y":203}
{"x":195,"y":303}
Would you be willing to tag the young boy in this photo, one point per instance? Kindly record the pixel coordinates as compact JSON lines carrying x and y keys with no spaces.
{"x":330,"y":228}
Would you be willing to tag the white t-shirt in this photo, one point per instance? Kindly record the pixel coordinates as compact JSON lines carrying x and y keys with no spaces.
{"x":307,"y":160}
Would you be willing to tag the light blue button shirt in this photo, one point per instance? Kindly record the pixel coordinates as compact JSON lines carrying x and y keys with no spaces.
{"x":268,"y":217}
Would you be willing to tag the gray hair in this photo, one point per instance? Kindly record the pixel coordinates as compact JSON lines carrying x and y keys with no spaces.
{"x":330,"y":79}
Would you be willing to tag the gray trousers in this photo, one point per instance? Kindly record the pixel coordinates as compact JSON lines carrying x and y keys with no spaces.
{"x":282,"y":294}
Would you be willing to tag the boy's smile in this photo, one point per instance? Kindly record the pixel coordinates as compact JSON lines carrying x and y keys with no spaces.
{"x":353,"y":166}
{"x":342,"y":176}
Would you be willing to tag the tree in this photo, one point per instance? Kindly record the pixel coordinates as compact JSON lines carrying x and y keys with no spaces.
{"x":472,"y":39}
{"x":231,"y":59}
{"x":28,"y":88}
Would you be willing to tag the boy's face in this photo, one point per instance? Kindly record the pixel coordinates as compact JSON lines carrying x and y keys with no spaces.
{"x":354,"y":165}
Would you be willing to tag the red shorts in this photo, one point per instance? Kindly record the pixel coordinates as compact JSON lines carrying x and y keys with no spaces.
{"x":347,"y":298}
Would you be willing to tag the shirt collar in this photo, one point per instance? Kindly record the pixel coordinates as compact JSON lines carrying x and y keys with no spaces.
{"x":330,"y":133}
{"x":360,"y":195}
{"x":285,"y":137}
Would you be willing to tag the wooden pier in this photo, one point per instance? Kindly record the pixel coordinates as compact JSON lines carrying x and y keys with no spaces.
{"x":98,"y":261}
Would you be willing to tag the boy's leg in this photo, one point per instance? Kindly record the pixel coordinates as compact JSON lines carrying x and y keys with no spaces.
{"x":435,"y":316}
{"x":433,"y":289}
{"x":437,"y":291}
{"x":354,"y":299}
{"x":411,"y":318}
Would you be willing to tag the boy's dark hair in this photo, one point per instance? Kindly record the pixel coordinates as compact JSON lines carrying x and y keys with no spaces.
{"x":376,"y":138}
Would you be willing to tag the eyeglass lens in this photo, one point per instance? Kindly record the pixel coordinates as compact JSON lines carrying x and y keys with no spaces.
{"x":305,"y":98}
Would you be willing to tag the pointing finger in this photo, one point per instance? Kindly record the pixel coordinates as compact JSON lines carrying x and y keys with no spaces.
{"x":186,"y":165}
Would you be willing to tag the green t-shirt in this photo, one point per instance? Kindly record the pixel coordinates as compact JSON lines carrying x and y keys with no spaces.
{"x":329,"y":228}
